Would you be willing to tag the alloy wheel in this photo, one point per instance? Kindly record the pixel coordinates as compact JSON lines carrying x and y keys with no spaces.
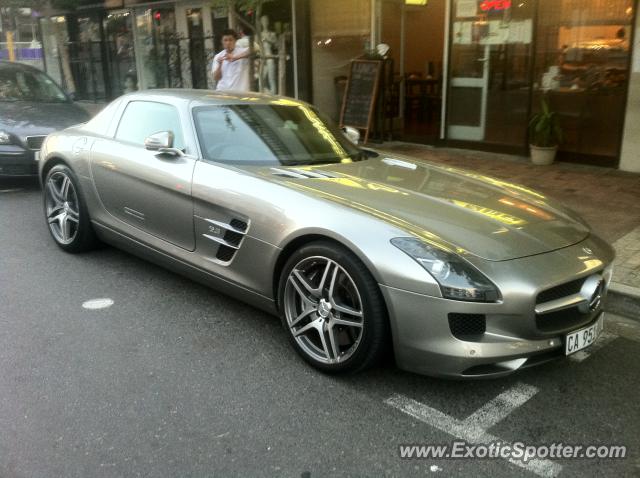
{"x":323,"y":310}
{"x":62,"y":207}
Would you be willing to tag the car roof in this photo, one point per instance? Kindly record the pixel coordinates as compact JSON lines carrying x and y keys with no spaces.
{"x":210,"y":96}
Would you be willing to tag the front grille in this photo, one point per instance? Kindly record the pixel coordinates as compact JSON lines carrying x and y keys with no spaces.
{"x":18,"y":169}
{"x":560,"y":291}
{"x":464,"y":326}
{"x":562,"y":320}
{"x":35,"y":142}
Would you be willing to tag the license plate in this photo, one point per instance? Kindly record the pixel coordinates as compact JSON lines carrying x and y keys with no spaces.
{"x":582,"y":338}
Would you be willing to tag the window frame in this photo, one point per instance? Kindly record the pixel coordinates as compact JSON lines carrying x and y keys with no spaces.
{"x":139,"y":100}
{"x":195,"y":106}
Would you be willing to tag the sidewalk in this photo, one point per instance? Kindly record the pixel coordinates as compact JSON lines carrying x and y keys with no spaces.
{"x":608,"y":199}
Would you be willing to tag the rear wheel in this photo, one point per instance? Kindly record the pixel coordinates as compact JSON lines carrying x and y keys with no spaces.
{"x":332,"y":309}
{"x":66,"y":212}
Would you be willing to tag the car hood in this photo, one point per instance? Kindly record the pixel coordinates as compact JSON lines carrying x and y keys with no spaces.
{"x":472,"y":213}
{"x":24,"y":118}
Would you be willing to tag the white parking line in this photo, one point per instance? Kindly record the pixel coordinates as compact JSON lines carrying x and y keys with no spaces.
{"x":473,"y":429}
{"x":501,"y":406}
{"x":96,"y":304}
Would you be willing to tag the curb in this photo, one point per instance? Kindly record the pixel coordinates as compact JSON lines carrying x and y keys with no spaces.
{"x":624,"y":289}
{"x":626,"y":300}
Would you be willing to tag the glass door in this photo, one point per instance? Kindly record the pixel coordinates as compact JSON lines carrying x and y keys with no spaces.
{"x":87,"y":58}
{"x":490,"y":69}
{"x":118,"y":31}
{"x":197,"y":50}
{"x":157,"y":46}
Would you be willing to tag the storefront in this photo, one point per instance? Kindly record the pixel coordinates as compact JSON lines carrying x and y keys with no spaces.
{"x":103,"y":50}
{"x":472,"y":72}
{"x":465,"y":73}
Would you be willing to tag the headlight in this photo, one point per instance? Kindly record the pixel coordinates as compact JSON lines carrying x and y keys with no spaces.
{"x":5,"y":138}
{"x":458,"y":279}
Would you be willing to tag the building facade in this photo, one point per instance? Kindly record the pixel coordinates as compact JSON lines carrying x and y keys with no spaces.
{"x":464,"y":73}
{"x":19,"y":39}
{"x":100,"y":51}
{"x":470,"y":73}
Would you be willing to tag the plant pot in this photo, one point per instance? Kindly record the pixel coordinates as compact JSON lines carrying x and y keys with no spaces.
{"x":543,"y":155}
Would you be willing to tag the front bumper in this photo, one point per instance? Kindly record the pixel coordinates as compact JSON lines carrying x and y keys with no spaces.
{"x":514,"y":336}
{"x":17,"y":161}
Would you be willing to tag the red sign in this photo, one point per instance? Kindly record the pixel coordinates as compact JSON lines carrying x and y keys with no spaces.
{"x":494,"y":5}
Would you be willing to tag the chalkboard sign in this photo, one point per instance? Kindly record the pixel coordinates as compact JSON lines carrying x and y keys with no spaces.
{"x":360,"y":95}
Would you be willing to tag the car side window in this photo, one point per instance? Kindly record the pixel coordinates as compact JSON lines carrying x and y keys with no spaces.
{"x":144,"y":118}
{"x":227,"y":133}
{"x":100,"y":123}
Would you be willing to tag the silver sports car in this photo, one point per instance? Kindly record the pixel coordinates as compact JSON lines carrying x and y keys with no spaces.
{"x":359,"y":252}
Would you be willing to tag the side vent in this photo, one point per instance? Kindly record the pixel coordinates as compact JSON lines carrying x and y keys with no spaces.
{"x":226,"y":236}
{"x":238,"y":224}
{"x":233,"y":238}
{"x":225,"y":253}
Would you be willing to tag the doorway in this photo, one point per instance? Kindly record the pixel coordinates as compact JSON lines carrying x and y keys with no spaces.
{"x":490,"y":72}
{"x":195,"y":40}
{"x":415,"y":34}
{"x":119,"y":38}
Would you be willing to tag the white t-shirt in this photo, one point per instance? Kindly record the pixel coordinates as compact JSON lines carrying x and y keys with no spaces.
{"x":243,"y":42}
{"x":235,"y":74}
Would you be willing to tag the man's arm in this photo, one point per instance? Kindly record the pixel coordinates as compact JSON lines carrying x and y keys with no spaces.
{"x":217,"y":68}
{"x":239,"y":56}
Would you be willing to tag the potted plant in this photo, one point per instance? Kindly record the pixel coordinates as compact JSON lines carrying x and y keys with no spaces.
{"x":545,"y":135}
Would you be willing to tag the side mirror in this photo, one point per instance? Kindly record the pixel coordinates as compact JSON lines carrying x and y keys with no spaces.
{"x":159,"y":140}
{"x":352,"y":134}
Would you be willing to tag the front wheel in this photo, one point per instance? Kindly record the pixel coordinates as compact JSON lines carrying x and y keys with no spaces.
{"x":66,"y":212}
{"x":332,"y":309}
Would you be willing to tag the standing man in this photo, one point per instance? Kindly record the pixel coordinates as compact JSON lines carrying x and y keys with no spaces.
{"x":243,"y":39}
{"x":230,"y":67}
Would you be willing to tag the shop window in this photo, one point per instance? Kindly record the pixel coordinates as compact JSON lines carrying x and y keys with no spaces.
{"x":121,"y":57}
{"x":340,"y":32}
{"x":86,"y":56}
{"x":55,"y":39}
{"x":157,"y":46}
{"x":582,"y":67}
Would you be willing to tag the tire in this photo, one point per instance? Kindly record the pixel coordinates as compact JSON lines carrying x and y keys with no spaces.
{"x":325,"y":287}
{"x":66,"y":211}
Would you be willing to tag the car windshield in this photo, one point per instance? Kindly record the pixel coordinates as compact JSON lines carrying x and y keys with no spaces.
{"x":25,"y":85}
{"x":283,"y":132}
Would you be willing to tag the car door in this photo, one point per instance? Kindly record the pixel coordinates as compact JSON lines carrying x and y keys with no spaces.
{"x":147,"y":190}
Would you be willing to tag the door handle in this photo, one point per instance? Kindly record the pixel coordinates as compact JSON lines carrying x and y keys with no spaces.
{"x":173,"y":152}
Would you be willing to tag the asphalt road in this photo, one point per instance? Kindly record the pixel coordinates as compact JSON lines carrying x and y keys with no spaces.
{"x":174,"y":379}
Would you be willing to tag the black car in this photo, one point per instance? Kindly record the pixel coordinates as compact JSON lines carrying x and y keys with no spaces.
{"x":32,"y":105}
